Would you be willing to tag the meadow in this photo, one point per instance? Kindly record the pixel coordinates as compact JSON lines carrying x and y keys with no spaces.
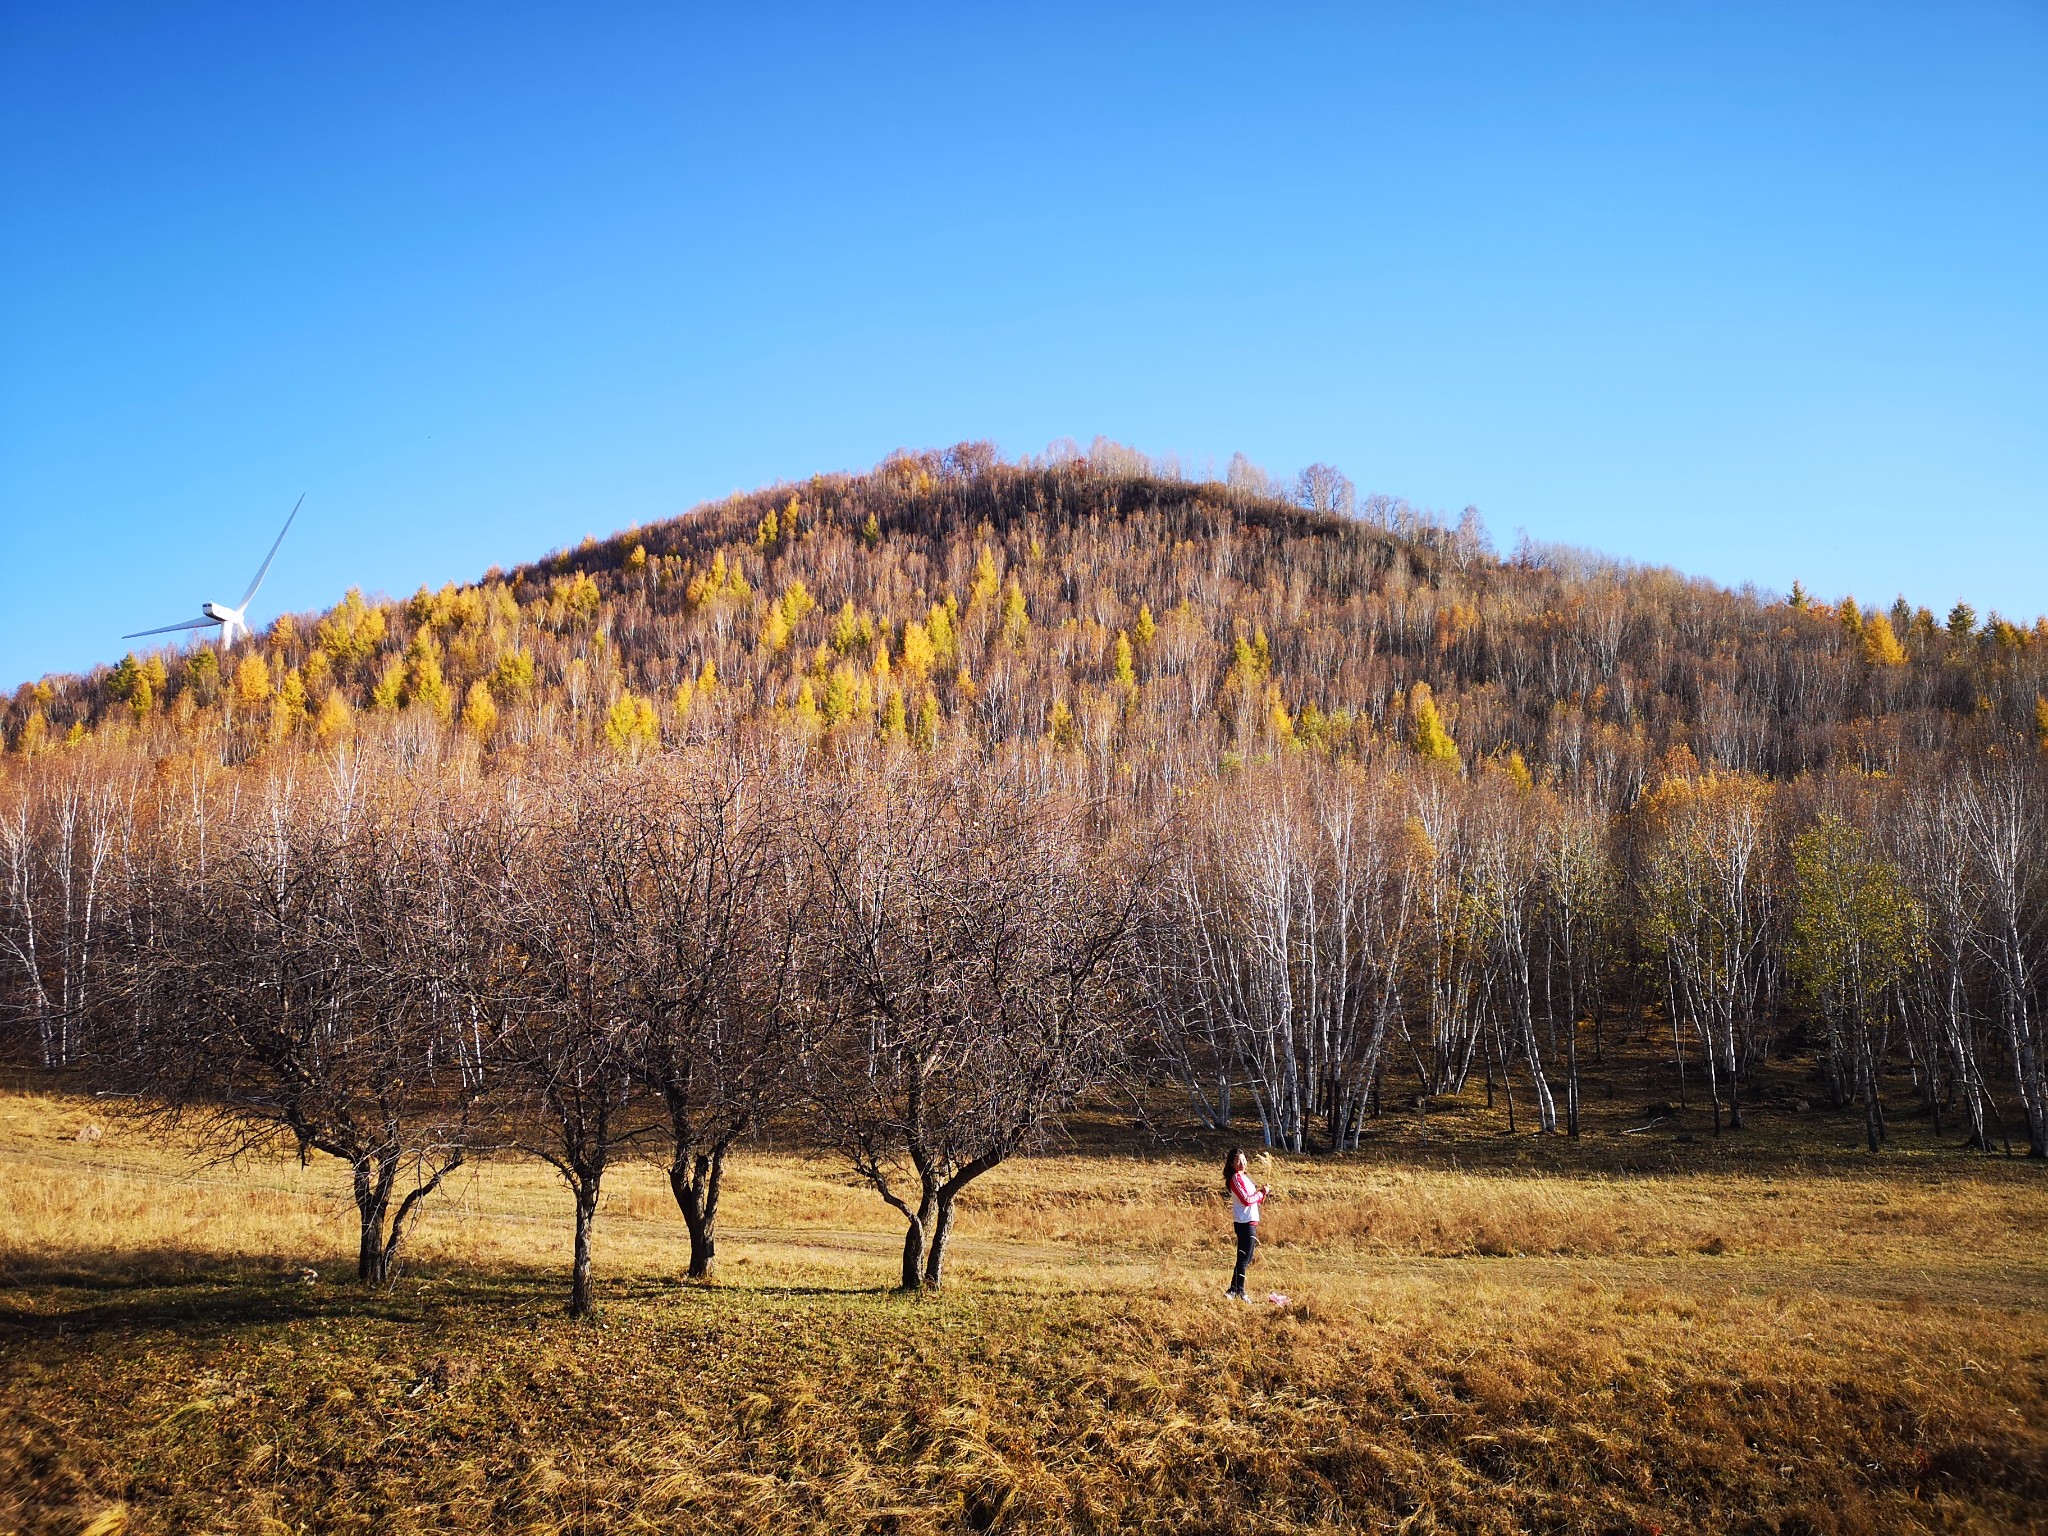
{"x":1649,"y":1331}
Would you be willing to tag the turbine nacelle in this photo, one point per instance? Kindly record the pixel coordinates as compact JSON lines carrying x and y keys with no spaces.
{"x":233,"y":622}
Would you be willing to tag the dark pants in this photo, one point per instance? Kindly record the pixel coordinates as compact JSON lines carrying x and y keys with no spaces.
{"x":1247,"y":1239}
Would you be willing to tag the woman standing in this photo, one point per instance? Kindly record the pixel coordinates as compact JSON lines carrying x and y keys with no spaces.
{"x":1245,"y":1199}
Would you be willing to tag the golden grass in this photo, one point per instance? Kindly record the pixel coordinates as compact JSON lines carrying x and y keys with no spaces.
{"x":1845,"y":1345}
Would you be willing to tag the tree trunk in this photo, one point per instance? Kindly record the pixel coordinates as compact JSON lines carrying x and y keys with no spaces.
{"x":694,"y":1179}
{"x":1713,"y":1055}
{"x":935,"y":1255}
{"x":373,"y":1201}
{"x":579,"y":1275}
{"x":1546,"y":1103}
{"x":941,"y":1227}
{"x":1571,"y":1078}
{"x":401,"y":1219}
{"x":1873,"y":1125}
{"x":914,"y":1240}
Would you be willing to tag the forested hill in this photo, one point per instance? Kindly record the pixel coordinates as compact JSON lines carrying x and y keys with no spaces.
{"x":1150,"y":624}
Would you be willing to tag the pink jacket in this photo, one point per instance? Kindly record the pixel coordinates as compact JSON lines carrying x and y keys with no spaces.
{"x":1244,"y":1197}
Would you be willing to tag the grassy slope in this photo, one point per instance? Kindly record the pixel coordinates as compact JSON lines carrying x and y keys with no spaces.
{"x":1484,"y":1334}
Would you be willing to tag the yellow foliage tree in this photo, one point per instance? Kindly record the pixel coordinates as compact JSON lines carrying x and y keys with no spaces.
{"x":1278,"y":717}
{"x":288,"y":709}
{"x":925,"y":734}
{"x":424,"y":683}
{"x":893,"y":727}
{"x":389,"y":689}
{"x":945,"y":633}
{"x":845,"y":695}
{"x":804,"y":714}
{"x":577,"y":595}
{"x":1881,"y":646}
{"x":352,"y":631}
{"x":986,"y":579}
{"x":1427,"y":733}
{"x":918,"y":652}
{"x":334,"y":721}
{"x":1016,"y":622}
{"x":1064,"y":735}
{"x":631,"y":724}
{"x":513,"y":675}
{"x":479,"y":711}
{"x":252,"y":681}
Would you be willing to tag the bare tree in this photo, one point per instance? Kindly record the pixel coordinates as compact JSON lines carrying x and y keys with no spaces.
{"x":1709,"y":905}
{"x":1325,"y":488}
{"x":58,"y":842}
{"x":966,"y":980}
{"x":297,"y":979}
{"x":1273,"y":949}
{"x":723,"y":915}
{"x":570,"y":989}
{"x":2001,"y":811}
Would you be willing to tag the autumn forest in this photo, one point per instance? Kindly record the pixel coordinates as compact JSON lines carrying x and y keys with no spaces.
{"x":924,"y":804}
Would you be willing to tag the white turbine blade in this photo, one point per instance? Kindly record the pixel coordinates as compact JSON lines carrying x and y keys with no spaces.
{"x":167,"y":628}
{"x":265,"y":571}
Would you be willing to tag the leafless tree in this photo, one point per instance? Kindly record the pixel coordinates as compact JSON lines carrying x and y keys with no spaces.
{"x":966,"y":979}
{"x":299,"y":979}
{"x":724,"y":918}
{"x":570,"y":987}
{"x":1999,"y":798}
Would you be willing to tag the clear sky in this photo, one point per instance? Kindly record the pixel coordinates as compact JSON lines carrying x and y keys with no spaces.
{"x":1758,"y":291}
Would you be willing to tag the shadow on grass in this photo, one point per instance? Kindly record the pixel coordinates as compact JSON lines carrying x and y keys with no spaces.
{"x":191,"y":1294}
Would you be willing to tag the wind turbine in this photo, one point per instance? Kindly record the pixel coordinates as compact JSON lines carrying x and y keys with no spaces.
{"x":233,"y":622}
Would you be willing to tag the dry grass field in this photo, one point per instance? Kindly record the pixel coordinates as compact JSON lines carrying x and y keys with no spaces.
{"x":1639,"y":1333}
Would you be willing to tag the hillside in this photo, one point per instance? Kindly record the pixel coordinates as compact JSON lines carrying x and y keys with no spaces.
{"x":1407,"y":807}
{"x":1156,"y":626}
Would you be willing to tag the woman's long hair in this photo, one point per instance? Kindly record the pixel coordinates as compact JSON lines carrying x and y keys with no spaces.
{"x":1230,"y":1169}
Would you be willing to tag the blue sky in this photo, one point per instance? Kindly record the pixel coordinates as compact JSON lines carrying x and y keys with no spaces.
{"x":1757,"y":291}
